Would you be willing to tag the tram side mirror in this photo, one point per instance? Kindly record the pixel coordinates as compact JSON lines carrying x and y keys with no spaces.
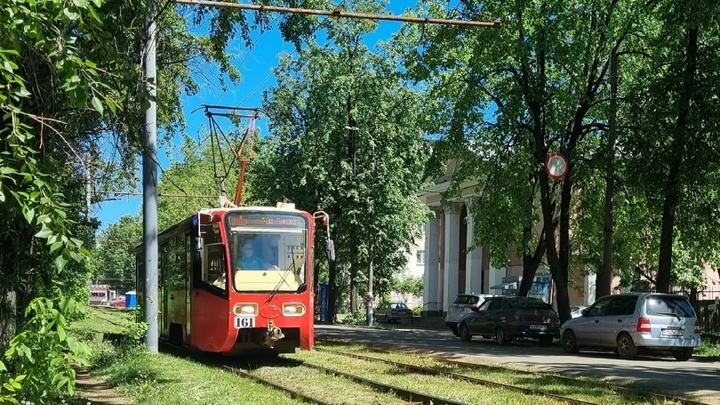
{"x":330,"y":250}
{"x":199,"y":245}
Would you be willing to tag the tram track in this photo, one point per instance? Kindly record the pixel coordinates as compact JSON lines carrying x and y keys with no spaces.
{"x":408,"y":396}
{"x":388,"y":350}
{"x":460,"y":377}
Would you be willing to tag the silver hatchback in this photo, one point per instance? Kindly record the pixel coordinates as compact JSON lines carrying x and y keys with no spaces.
{"x":463,"y":304}
{"x":635,"y":321}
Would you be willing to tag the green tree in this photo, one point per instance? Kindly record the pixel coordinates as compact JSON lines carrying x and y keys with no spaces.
{"x":344,"y":138}
{"x":672,"y":148}
{"x":514,"y":95}
{"x":114,"y":255}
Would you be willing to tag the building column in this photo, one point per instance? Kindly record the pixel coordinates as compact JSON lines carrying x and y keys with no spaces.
{"x":473,"y":258}
{"x":451,"y":254}
{"x":431,"y":301}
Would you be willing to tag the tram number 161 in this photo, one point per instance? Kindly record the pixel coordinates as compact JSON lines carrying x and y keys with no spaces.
{"x":244,"y":322}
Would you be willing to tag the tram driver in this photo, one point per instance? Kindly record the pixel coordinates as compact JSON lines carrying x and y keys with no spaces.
{"x":248,"y":259}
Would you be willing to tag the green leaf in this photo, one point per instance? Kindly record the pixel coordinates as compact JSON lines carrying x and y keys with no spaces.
{"x":71,"y":15}
{"x":60,"y":262}
{"x":29,"y":214}
{"x":55,"y":246}
{"x":44,"y":233}
{"x":97,"y":104}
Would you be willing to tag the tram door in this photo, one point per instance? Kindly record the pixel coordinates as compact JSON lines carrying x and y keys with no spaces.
{"x":209,"y":297}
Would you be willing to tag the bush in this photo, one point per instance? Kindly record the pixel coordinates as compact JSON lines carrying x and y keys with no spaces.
{"x":42,"y":355}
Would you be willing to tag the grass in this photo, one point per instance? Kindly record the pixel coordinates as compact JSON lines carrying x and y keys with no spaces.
{"x":709,"y":346}
{"x":163,"y":379}
{"x":578,"y":388}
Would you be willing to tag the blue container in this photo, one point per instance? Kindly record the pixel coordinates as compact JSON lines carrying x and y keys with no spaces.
{"x":130,"y":299}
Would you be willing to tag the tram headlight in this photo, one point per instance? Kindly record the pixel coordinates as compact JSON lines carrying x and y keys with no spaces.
{"x":245,"y":309}
{"x":293,"y":309}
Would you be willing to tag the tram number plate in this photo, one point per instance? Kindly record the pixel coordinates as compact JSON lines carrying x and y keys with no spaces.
{"x":244,"y":322}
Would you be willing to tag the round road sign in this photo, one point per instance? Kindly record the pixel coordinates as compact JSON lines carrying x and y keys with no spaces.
{"x":556,"y":165}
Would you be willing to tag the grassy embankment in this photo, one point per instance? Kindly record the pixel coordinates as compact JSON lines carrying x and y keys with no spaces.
{"x":164,"y":379}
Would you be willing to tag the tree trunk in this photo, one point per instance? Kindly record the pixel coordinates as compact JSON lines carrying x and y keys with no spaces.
{"x":671,"y":190}
{"x":332,"y":292}
{"x":7,"y":318}
{"x":530,"y":265}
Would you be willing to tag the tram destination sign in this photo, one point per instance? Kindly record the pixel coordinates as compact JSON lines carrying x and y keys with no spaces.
{"x":265,"y":219}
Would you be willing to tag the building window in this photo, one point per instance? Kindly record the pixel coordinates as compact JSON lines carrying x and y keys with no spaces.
{"x":420,"y":256}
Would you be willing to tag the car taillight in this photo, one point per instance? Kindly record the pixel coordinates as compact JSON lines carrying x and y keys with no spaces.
{"x":697,"y":326}
{"x":643,"y":325}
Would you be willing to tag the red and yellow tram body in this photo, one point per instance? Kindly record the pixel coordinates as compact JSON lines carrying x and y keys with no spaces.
{"x":236,"y":281}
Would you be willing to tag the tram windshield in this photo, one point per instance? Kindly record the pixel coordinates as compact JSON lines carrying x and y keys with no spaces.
{"x":268,"y":257}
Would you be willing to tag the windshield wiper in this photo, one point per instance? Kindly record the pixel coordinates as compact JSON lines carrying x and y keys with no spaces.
{"x":671,"y":314}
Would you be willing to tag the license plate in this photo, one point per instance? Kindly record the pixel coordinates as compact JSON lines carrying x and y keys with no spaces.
{"x":671,"y":332}
{"x":242,"y":322}
{"x":538,"y":327}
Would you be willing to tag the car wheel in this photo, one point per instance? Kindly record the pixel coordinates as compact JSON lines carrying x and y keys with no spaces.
{"x":500,"y":337}
{"x":569,"y":342}
{"x":454,"y":330}
{"x":683,"y":354}
{"x":546,"y":341}
{"x":464,"y":332}
{"x":626,"y":348}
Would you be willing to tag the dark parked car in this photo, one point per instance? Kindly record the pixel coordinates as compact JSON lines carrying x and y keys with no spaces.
{"x":506,"y":318}
{"x":393,"y":312}
{"x":463,"y":304}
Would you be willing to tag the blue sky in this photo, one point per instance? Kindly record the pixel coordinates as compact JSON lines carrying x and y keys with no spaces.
{"x":255,"y":65}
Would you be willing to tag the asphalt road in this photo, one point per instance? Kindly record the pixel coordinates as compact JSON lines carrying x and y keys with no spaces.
{"x":697,"y":379}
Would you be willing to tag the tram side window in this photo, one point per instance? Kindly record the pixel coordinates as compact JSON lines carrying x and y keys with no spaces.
{"x":214,"y":266}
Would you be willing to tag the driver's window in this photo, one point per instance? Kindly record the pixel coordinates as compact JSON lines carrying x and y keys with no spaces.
{"x":599,"y":308}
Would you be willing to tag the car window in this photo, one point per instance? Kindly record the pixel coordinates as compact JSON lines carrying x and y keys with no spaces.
{"x":622,"y":305}
{"x":495,"y":304}
{"x":484,"y":305}
{"x":598,"y":308}
{"x":534,"y":303}
{"x":459,"y":299}
{"x":670,"y":305}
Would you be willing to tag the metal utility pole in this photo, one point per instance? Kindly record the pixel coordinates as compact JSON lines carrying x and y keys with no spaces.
{"x":150,"y":230}
{"x":604,"y":279}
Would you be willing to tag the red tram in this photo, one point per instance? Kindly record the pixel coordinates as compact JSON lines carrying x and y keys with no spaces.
{"x":238,"y":280}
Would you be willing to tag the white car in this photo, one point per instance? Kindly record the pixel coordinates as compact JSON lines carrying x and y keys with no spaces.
{"x":463,"y":304}
{"x":577,"y":311}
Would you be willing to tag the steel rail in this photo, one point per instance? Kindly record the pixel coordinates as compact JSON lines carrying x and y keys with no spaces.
{"x":387,"y":349}
{"x":460,"y":377}
{"x":294,"y":394}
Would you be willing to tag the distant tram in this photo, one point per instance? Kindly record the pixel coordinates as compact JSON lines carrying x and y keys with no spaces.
{"x":237,"y":280}
{"x":101,"y":294}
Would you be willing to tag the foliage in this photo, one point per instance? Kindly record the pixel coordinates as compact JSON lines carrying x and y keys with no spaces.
{"x":409,"y":285}
{"x":43,"y":355}
{"x":344,"y":138}
{"x":114,"y":254}
{"x":672,"y":149}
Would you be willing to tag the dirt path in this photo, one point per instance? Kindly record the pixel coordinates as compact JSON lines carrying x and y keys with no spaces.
{"x":98,"y":392}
